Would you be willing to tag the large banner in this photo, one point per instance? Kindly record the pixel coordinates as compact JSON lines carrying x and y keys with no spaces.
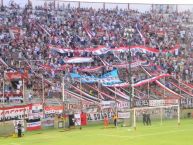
{"x":123,"y":105}
{"x":17,"y":75}
{"x":186,"y":102}
{"x":31,"y":111}
{"x":99,"y":116}
{"x":100,"y":50}
{"x":109,"y":78}
{"x":133,"y":65}
{"x":9,"y":97}
{"x":122,"y":65}
{"x":123,"y":115}
{"x":141,"y":103}
{"x":48,"y":122}
{"x":36,"y":111}
{"x":103,"y":50}
{"x":113,"y":104}
{"x":79,"y":60}
{"x":163,"y":102}
{"x":93,"y":69}
{"x":16,"y":112}
{"x":140,"y":83}
{"x":107,"y":104}
{"x":33,"y":125}
{"x":53,"y":109}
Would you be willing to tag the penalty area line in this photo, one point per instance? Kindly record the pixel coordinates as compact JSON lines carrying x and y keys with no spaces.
{"x":144,"y":135}
{"x":15,"y":143}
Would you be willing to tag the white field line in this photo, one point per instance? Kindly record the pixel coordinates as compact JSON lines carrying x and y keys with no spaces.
{"x":152,"y":127}
{"x":15,"y":143}
{"x":145,"y":135}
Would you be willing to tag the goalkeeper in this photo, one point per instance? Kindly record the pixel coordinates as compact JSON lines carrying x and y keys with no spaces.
{"x":148,"y":119}
{"x":144,"y":118}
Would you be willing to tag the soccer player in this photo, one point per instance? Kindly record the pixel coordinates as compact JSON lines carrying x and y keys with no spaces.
{"x":148,"y":119}
{"x":19,"y":129}
{"x":115,"y":120}
{"x":106,"y":121}
{"x":144,"y":118}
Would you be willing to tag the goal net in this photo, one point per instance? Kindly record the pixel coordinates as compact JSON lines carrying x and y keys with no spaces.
{"x":6,"y":128}
{"x":155,"y":115}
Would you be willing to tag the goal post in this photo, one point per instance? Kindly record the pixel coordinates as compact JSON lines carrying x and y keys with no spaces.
{"x":158,"y":113}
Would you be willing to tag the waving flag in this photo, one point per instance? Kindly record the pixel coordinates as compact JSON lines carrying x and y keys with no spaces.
{"x":138,"y":30}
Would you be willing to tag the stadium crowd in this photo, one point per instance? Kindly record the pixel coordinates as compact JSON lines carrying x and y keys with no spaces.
{"x":81,"y":29}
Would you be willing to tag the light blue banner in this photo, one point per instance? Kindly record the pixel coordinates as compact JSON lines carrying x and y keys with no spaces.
{"x":109,"y":78}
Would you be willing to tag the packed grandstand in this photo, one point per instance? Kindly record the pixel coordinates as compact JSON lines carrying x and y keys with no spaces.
{"x":64,"y":60}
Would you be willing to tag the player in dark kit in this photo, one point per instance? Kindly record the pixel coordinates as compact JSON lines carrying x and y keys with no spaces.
{"x":144,"y":118}
{"x":148,"y":119}
{"x":19,"y":129}
{"x":115,"y":120}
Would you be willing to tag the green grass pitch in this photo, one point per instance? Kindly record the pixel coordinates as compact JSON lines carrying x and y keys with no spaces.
{"x":167,"y":134}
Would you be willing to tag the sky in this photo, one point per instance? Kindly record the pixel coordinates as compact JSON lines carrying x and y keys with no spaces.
{"x":186,"y":3}
{"x":145,"y":1}
{"x":125,"y":1}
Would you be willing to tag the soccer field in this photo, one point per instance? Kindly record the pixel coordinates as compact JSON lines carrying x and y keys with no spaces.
{"x":167,"y":134}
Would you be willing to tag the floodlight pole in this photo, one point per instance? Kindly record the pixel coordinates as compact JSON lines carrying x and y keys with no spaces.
{"x":23,"y":91}
{"x":43,"y":96}
{"x":63,"y":100}
{"x":23,"y":97}
{"x":63,"y":94}
{"x":179,"y":81}
{"x":148,"y":86}
{"x":3,"y":100}
{"x":131,"y":87}
{"x":98,"y":90}
{"x":65,"y":86}
{"x":81,"y":100}
{"x":81,"y":95}
{"x":129,"y":76}
{"x":116,"y":102}
{"x":164,"y":87}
